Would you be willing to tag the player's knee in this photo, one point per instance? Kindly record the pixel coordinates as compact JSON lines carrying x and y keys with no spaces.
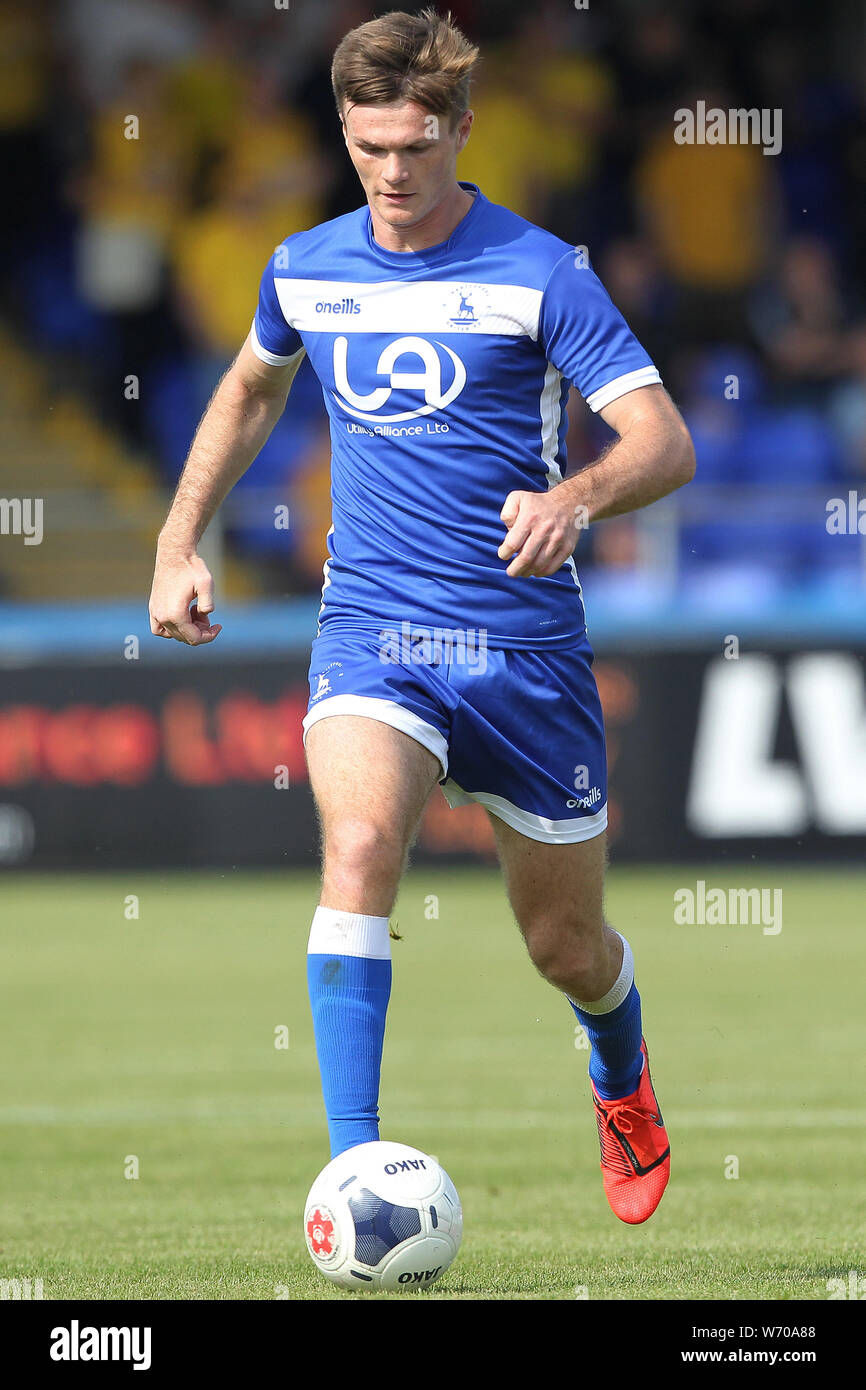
{"x":363,"y":852}
{"x":567,"y":958}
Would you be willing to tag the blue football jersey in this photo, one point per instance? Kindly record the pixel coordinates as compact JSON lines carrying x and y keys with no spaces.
{"x":445,"y":373}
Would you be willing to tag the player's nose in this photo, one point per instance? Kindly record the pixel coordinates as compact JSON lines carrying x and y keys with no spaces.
{"x":394,"y":172}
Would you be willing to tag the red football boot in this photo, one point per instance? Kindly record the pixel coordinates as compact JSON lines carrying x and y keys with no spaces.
{"x":635,"y":1153}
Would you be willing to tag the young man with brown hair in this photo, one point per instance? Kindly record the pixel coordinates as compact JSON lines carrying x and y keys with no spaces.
{"x":446,"y":332}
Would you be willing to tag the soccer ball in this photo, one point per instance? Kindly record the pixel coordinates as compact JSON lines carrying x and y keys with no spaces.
{"x":383,"y":1216}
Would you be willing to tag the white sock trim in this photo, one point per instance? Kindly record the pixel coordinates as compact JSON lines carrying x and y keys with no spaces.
{"x":618,"y":990}
{"x":335,"y":933}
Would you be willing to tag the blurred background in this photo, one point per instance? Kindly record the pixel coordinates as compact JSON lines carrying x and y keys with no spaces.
{"x":152,"y":155}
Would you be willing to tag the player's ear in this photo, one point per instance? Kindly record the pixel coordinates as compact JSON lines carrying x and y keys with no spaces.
{"x":464,"y":126}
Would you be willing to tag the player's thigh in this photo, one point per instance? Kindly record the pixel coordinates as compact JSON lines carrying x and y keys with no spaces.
{"x":365,"y":773}
{"x":553,"y":888}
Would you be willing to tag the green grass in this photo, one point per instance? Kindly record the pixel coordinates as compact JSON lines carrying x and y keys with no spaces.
{"x":155,"y":1038}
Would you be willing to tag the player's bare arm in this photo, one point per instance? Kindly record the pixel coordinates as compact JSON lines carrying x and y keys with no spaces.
{"x":245,"y":407}
{"x":652,"y":457}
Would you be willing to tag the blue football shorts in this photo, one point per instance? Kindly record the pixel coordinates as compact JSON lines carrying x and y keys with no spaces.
{"x":519,"y":731}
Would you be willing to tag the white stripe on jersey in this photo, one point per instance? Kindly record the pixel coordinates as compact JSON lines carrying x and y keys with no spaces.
{"x":551,"y":417}
{"x":272,"y":358}
{"x":326,"y":571}
{"x":407,"y":306}
{"x":621,"y":385}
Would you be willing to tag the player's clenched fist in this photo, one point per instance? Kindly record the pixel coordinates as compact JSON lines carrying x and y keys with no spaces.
{"x":541,"y":533}
{"x":181,"y":599}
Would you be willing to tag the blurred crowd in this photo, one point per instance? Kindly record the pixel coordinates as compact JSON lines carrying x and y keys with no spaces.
{"x":153,"y":153}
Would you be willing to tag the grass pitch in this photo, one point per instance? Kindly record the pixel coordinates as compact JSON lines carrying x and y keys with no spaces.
{"x":147,"y":1044}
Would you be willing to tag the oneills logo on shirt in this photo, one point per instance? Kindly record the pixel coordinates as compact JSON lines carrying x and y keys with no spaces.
{"x":342,"y":306}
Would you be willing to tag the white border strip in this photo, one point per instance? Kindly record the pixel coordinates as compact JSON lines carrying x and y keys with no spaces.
{"x":550,"y":407}
{"x":335,"y":933}
{"x":552,"y":832}
{"x":272,"y":358}
{"x":384,"y":712}
{"x":621,"y":385}
{"x":409,"y":306}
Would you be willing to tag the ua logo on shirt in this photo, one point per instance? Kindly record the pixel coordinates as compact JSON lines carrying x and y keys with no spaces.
{"x":429,"y":381}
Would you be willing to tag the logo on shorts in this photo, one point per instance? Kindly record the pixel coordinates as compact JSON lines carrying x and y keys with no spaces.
{"x":586,"y":803}
{"x":323,"y":688}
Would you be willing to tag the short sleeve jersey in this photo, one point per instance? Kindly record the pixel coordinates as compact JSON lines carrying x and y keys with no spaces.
{"x":445,"y":374}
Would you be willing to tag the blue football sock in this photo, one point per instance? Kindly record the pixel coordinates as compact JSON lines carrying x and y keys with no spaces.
{"x":613,"y":1026}
{"x":349,"y":980}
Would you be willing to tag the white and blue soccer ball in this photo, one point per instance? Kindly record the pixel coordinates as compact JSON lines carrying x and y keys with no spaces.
{"x":383,"y":1216}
